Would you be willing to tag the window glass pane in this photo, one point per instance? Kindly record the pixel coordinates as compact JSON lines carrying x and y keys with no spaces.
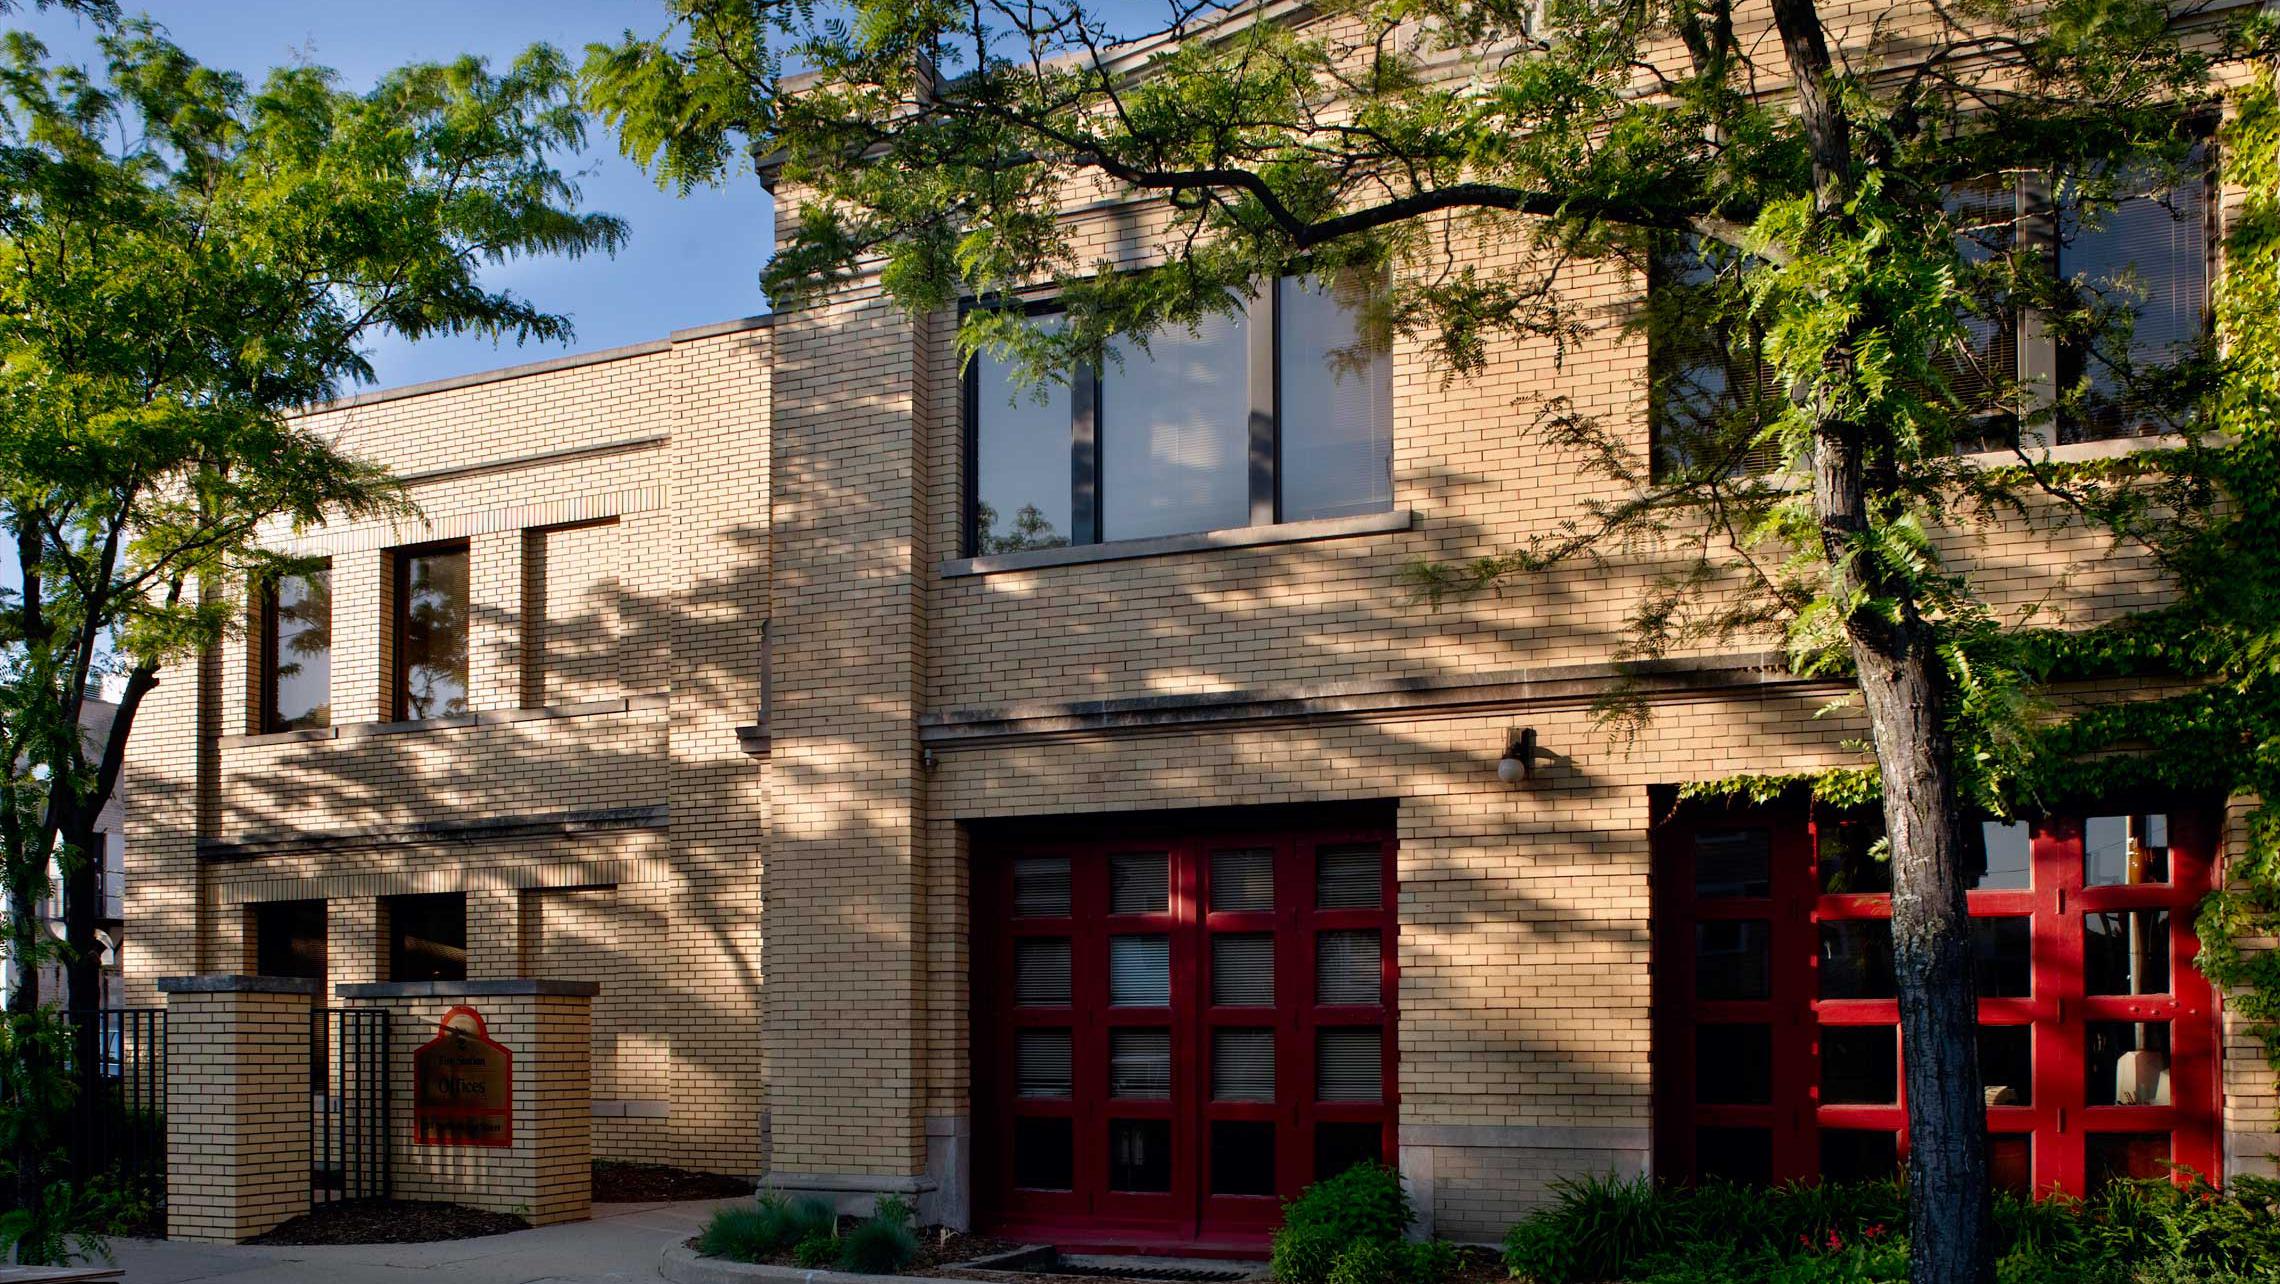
{"x":1041,"y":1063}
{"x":2126,"y":1063}
{"x":432,"y":615}
{"x":1022,"y":463}
{"x":1730,"y":959}
{"x":1044,"y":1155}
{"x":1347,"y":967}
{"x":2147,"y":254}
{"x":1349,"y":877}
{"x":300,"y":651}
{"x":1140,"y":1063}
{"x":1856,"y":959}
{"x":289,"y":939}
{"x":2004,"y":860}
{"x":1139,"y":883}
{"x":1710,"y":388}
{"x":1243,"y":880}
{"x":2121,"y":850}
{"x":1041,"y":887}
{"x":1347,"y":1065}
{"x":1243,"y":969}
{"x":1985,"y":212}
{"x":1733,"y":862}
{"x":1041,"y":971}
{"x":1851,"y":860}
{"x":2011,"y":1163}
{"x":1733,"y":1065}
{"x":1336,"y":402}
{"x":1340,"y":1146}
{"x":2007,"y":1064}
{"x":1743,"y":1156}
{"x":1242,"y":1065}
{"x":1849,"y":1154}
{"x":1242,"y":1157}
{"x":2000,"y":964}
{"x":2126,"y":952}
{"x":1139,"y":971}
{"x":427,"y":937}
{"x":1140,"y":1155}
{"x":1860,"y":1065}
{"x":2135,"y":1156}
{"x":1175,"y":432}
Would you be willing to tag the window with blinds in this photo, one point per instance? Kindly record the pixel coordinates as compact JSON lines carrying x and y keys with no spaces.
{"x":1348,"y":1064}
{"x":1140,"y":971}
{"x":1243,"y":969}
{"x":1041,"y":972}
{"x":2147,"y":255}
{"x":1349,"y":877}
{"x":1041,"y":1063}
{"x":1140,"y":1064}
{"x":1243,"y":881}
{"x":1346,"y":968}
{"x":1139,"y":883}
{"x":1041,"y":887}
{"x":1242,"y":1065}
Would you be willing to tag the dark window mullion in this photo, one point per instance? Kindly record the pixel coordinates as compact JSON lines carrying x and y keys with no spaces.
{"x":1264,"y":340}
{"x":1084,"y":456}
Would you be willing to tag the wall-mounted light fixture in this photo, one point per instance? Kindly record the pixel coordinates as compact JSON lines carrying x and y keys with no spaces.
{"x":1519,"y":760}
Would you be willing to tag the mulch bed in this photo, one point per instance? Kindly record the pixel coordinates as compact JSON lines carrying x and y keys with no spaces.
{"x":391,"y":1221}
{"x":621,"y":1183}
{"x":1476,"y":1265}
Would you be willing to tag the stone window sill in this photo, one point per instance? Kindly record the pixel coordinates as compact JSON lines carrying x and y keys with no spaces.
{"x":1030,"y":559}
{"x":487,"y":718}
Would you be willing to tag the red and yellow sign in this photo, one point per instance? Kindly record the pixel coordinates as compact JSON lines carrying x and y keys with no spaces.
{"x":463,"y":1085}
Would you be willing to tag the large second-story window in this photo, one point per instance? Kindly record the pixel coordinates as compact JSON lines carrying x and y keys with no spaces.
{"x":296,"y":639}
{"x":431,"y":632}
{"x":2139,"y":255}
{"x":1281,"y":413}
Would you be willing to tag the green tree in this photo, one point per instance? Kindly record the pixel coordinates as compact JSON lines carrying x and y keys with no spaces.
{"x":1808,"y":199}
{"x":185,"y":260}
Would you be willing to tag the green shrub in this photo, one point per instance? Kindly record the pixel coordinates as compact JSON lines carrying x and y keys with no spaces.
{"x":740,"y":1234}
{"x":878,"y":1246}
{"x":806,"y":1219}
{"x":1379,"y":1261}
{"x":1596,"y":1228}
{"x":816,"y":1251}
{"x":1365,"y":1203}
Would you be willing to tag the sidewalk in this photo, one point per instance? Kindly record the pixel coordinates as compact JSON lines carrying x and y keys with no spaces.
{"x":622,"y":1242}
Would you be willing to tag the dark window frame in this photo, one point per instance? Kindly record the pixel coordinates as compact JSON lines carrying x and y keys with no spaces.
{"x":267,"y":718}
{"x":1262,"y":313}
{"x":399,"y":615}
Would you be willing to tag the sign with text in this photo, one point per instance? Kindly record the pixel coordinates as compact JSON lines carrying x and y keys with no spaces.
{"x":463,"y":1085}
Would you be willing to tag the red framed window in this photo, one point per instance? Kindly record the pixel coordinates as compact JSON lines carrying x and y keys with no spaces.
{"x":1174,"y":1035}
{"x":1777,"y":1049}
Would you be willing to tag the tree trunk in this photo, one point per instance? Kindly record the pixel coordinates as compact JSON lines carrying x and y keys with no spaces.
{"x":1904,"y":688}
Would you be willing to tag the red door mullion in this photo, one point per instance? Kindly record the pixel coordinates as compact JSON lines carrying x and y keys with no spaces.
{"x":1794,"y":939}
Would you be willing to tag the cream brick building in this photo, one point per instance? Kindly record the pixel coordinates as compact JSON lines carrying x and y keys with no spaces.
{"x":912,"y":861}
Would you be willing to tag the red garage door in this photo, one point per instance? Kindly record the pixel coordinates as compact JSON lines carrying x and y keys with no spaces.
{"x":1777,"y":1040}
{"x":1173,"y":1036}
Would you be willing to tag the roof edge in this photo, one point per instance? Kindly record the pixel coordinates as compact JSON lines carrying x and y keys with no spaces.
{"x":548,"y":365}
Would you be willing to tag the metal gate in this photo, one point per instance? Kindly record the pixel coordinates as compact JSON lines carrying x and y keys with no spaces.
{"x":348,"y":1125}
{"x":117,"y":1128}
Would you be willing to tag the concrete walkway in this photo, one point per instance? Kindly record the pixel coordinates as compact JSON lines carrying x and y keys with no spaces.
{"x":622,"y":1242}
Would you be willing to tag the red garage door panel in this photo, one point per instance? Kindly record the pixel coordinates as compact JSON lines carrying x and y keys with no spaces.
{"x":1175,"y":1034}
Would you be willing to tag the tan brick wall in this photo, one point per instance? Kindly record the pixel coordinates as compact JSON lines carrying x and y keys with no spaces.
{"x":237,"y":1113}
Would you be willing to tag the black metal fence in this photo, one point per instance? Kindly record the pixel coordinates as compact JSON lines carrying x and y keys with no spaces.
{"x":348,"y":1048}
{"x":117,"y":1129}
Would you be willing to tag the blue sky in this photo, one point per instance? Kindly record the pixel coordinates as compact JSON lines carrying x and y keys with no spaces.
{"x":690,"y":260}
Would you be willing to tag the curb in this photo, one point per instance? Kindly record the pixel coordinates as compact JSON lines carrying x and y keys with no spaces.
{"x":682,"y":1265}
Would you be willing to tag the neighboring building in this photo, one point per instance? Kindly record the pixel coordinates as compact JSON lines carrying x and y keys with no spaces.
{"x":1104,"y":859}
{"x":110,"y":923}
